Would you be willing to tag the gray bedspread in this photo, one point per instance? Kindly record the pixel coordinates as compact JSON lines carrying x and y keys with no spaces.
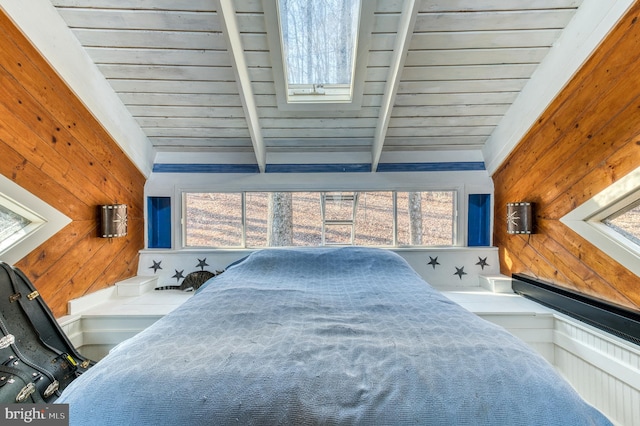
{"x":323,"y":336}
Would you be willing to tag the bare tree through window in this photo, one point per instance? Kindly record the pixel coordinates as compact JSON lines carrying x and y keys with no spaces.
{"x":265,"y":219}
{"x":319,"y":40}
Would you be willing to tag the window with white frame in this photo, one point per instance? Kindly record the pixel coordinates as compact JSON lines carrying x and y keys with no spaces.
{"x":319,"y":40}
{"x":371,"y":218}
{"x":611,"y":221}
{"x":25,"y":221}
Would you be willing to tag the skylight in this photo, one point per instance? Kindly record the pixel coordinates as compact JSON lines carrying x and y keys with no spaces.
{"x":319,"y":40}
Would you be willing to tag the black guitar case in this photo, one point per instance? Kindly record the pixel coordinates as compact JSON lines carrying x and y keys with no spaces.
{"x":37,"y":360}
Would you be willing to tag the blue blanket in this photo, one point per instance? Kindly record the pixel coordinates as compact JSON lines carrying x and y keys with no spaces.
{"x":323,"y":336}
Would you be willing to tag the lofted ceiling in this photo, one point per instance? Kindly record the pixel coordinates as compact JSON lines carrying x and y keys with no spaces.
{"x":201,"y":75}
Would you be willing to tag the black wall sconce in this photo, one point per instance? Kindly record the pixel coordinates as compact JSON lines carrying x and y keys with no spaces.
{"x":113,"y":220}
{"x":520,"y":218}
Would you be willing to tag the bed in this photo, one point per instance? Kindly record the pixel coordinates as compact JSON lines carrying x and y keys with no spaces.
{"x":323,"y":336}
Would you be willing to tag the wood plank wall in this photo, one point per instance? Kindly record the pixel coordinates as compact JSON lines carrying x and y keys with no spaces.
{"x":51,"y":145}
{"x":588,"y":138}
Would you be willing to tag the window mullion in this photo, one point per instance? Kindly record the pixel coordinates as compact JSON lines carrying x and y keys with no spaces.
{"x":395,"y":219}
{"x":243,"y":203}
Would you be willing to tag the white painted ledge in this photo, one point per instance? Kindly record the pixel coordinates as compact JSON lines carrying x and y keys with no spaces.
{"x":496,"y":283}
{"x":136,"y":286}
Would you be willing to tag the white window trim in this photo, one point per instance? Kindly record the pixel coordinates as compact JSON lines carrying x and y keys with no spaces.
{"x":35,"y":222}
{"x":326,"y":93}
{"x":458,"y":238}
{"x":46,"y":220}
{"x":323,"y":92}
{"x":586,"y":221}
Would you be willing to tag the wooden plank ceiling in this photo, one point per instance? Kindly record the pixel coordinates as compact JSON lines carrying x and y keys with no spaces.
{"x":440,"y":74}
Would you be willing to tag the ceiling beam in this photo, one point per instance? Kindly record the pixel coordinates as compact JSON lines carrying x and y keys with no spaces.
{"x":405,"y":31}
{"x":230,"y":28}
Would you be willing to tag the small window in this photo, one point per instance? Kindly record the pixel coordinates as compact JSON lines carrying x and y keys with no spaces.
{"x":213,"y":219}
{"x":426,"y":218}
{"x":299,"y":210}
{"x":13,"y":226}
{"x":375,"y":219}
{"x":17,"y":222}
{"x":626,"y":222}
{"x":319,"y":41}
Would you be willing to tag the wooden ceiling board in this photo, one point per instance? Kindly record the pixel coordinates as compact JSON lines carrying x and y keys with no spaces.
{"x":173,"y":66}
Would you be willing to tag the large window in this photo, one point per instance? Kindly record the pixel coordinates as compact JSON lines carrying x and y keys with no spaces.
{"x":296,"y":219}
{"x":13,"y":225}
{"x":271,"y":219}
{"x":375,"y":219}
{"x":426,"y":218}
{"x":25,"y":221}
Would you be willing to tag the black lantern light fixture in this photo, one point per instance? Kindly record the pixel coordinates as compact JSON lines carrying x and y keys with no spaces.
{"x":520,"y":218}
{"x":113,"y":221}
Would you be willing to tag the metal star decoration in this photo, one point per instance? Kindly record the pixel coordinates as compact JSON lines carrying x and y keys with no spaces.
{"x":156,"y":266}
{"x":178,"y":275}
{"x":512,"y":218}
{"x":121,"y":222}
{"x":482,"y":262}
{"x":460,"y":272}
{"x":433,"y":261}
{"x":202,"y":263}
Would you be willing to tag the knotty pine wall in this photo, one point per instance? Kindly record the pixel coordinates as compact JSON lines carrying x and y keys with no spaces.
{"x":53,"y":147}
{"x":588,"y":138}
